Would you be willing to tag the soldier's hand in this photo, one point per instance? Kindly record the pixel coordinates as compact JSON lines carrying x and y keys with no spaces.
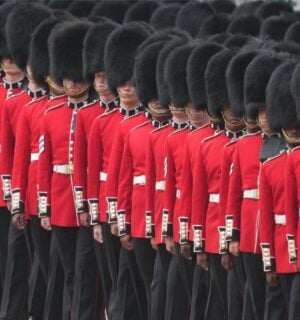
{"x":234,"y":248}
{"x":202,"y":260}
{"x":8,"y":205}
{"x":272,"y":278}
{"x":46,"y":223}
{"x":170,"y":245}
{"x":84,"y":219}
{"x":114,"y":229}
{"x":19,"y":221}
{"x":98,"y":234}
{"x":153,"y":244}
{"x":127,"y":243}
{"x":186,"y":251}
{"x":295,"y":267}
{"x":227,"y":261}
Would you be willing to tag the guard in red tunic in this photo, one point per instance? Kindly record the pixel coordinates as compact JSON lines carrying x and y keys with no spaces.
{"x":93,"y":68}
{"x":56,"y":167}
{"x":292,"y":187}
{"x":20,"y":249}
{"x":119,"y":69}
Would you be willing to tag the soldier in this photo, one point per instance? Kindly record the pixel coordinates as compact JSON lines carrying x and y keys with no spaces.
{"x":125,"y":39}
{"x":56,"y":167}
{"x":20,"y":254}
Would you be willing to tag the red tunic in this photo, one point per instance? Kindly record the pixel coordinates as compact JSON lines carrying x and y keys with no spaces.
{"x":99,"y":148}
{"x":11,"y":109}
{"x":190,"y":162}
{"x":24,"y":178}
{"x":115,"y":161}
{"x":56,"y":155}
{"x":174,"y":152}
{"x":241,"y":208}
{"x":85,"y":118}
{"x":155,"y":177}
{"x":272,"y":210}
{"x":207,"y":182}
{"x":132,"y":181}
{"x":292,"y":202}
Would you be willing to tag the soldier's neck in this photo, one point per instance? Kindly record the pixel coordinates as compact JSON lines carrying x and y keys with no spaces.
{"x":107,"y":98}
{"x":14,"y":77}
{"x":180,"y":119}
{"x":199,"y":124}
{"x":129,"y":104}
{"x":33,"y":86}
{"x":78,"y":99}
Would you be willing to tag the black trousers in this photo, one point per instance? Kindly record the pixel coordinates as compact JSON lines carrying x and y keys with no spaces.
{"x":200,"y":292}
{"x":179,"y":287}
{"x":159,"y":283}
{"x":5,"y":217}
{"x":145,"y":257}
{"x":294,"y":305}
{"x":15,"y":291}
{"x":255,"y":287}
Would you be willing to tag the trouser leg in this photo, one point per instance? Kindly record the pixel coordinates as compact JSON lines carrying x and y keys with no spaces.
{"x":294,"y":308}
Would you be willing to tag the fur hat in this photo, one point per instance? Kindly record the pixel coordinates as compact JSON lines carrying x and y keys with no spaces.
{"x":295,"y":82}
{"x":281,"y":107}
{"x":220,"y":38}
{"x":237,"y":41}
{"x":247,"y":8}
{"x":58,"y":4}
{"x":120,"y":51}
{"x":81,"y":8}
{"x":162,"y":84}
{"x":292,"y":48}
{"x":275,"y":28}
{"x":215,"y":81}
{"x":223,"y":6}
{"x":196,"y":67}
{"x":248,"y":25}
{"x":5,"y":10}
{"x":273,"y":8}
{"x":192,"y":14}
{"x":293,"y":33}
{"x":235,"y":80}
{"x":164,"y":16}
{"x":93,"y":48}
{"x":141,"y":11}
{"x":65,"y":50}
{"x":145,"y":72}
{"x":214,"y":24}
{"x":20,"y":25}
{"x":176,"y":75}
{"x":114,"y":10}
{"x":39,"y":54}
{"x":256,"y":79}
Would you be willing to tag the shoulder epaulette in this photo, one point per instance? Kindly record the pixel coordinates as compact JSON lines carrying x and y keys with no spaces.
{"x":107,"y":113}
{"x":15,"y":95}
{"x":217,"y":134}
{"x":35,"y":100}
{"x":129,"y":118}
{"x":88,"y":105}
{"x":55,"y":107}
{"x":295,"y":149}
{"x":177,"y":131}
{"x":140,"y":125}
{"x":231,"y":142}
{"x":249,"y":135}
{"x":160,"y":128}
{"x":275,"y":157}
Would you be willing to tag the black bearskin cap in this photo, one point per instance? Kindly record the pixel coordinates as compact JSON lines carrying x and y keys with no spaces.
{"x":192,"y":14}
{"x":274,"y":28}
{"x":223,"y":6}
{"x":220,"y":38}
{"x":293,"y":33}
{"x":256,"y":79}
{"x":65,"y":50}
{"x":235,"y":74}
{"x":295,"y":82}
{"x":162,"y":84}
{"x":58,"y":4}
{"x":237,"y":41}
{"x":292,"y":48}
{"x":215,"y":80}
{"x":141,"y":11}
{"x":114,"y":10}
{"x":5,"y":10}
{"x":81,"y":8}
{"x":120,"y":51}
{"x":248,"y":25}
{"x":196,"y":67}
{"x":20,"y":25}
{"x":175,"y":73}
{"x":164,"y":16}
{"x":281,"y":107}
{"x":247,"y":8}
{"x":93,"y":48}
{"x":214,"y":24}
{"x":273,"y":8}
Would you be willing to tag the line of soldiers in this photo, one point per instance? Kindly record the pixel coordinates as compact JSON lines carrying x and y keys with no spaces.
{"x":149,"y":160}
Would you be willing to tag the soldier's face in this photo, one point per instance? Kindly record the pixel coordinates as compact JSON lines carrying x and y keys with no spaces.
{"x":232,"y":121}
{"x":196,"y":116}
{"x":9,"y":67}
{"x":73,"y":87}
{"x":100,"y":83}
{"x":127,"y":92}
{"x":158,"y":112}
{"x":262,"y":121}
{"x":293,"y":133}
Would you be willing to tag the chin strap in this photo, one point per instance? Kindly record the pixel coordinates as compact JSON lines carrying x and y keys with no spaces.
{"x":290,"y":140}
{"x":54,"y":88}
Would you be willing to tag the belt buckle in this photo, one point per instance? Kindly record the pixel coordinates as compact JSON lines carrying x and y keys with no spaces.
{"x":69,"y":168}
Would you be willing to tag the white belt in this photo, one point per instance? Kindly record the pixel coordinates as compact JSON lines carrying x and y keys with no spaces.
{"x":280,"y":219}
{"x":139,"y":180}
{"x":64,"y":168}
{"x":103,"y":176}
{"x":250,"y":194}
{"x":177,"y":193}
{"x":34,"y":156}
{"x":160,"y":185}
{"x":214,"y":197}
